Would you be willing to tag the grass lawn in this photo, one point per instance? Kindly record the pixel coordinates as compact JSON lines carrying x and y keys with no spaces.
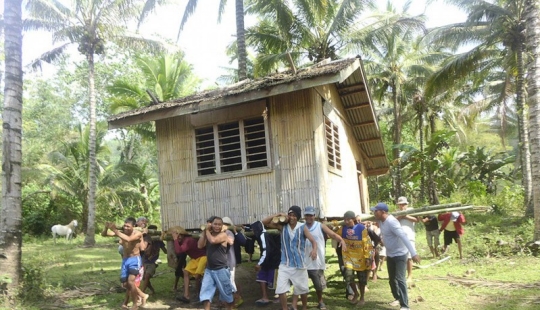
{"x":69,"y":276}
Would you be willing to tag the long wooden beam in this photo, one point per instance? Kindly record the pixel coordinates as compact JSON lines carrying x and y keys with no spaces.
{"x":364,"y":124}
{"x":360,"y":105}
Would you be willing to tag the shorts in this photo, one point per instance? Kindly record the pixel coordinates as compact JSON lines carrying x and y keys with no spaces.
{"x":449,"y":236}
{"x":266,"y":276}
{"x":130,"y":266}
{"x":413,"y":243}
{"x":382,"y":251}
{"x":432,"y":235}
{"x":361,"y":275}
{"x":288,"y":275}
{"x":219,"y":279}
{"x":196,"y":266}
{"x":149,"y":270}
{"x":318,"y":279}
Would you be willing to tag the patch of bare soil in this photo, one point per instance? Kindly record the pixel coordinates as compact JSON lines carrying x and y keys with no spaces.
{"x":245,"y":280}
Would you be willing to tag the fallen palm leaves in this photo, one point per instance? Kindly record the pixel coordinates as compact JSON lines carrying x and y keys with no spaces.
{"x":473,"y":283}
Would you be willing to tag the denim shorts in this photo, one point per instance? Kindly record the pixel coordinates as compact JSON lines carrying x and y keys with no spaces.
{"x":219,"y":279}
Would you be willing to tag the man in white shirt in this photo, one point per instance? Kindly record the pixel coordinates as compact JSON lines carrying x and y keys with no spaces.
{"x":407,"y":223}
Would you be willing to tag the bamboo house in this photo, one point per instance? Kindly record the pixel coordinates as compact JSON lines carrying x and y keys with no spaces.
{"x":255,"y":148}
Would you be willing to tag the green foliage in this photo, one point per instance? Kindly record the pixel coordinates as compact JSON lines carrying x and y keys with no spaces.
{"x":33,"y":285}
{"x":509,"y":201}
{"x":497,"y":236}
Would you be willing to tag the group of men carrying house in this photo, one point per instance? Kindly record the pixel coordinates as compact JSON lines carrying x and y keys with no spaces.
{"x":297,"y":253}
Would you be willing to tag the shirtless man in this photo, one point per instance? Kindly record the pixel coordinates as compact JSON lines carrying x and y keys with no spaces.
{"x":131,"y":261}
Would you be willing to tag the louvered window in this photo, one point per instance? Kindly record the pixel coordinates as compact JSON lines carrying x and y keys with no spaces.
{"x":229,"y":147}
{"x":332,"y":144}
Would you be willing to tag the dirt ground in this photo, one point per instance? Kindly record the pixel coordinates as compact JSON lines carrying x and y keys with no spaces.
{"x":245,"y":279}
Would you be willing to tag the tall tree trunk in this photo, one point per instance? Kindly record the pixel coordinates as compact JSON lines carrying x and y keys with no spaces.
{"x":92,"y":179}
{"x":420,"y":115}
{"x":533,"y":42}
{"x":396,"y":141}
{"x":525,"y":154}
{"x":11,"y":212}
{"x":241,"y":41}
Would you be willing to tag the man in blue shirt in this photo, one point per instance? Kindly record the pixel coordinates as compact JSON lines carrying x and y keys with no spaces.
{"x":398,"y":247}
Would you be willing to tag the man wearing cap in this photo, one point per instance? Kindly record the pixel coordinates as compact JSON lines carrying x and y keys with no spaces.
{"x":185,"y":243}
{"x":453,"y":229}
{"x":292,"y":268}
{"x":398,"y":247}
{"x":407,"y":223}
{"x":357,"y":255}
{"x":232,"y":257}
{"x":316,"y":267}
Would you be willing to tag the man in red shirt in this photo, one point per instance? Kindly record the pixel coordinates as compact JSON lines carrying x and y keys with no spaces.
{"x":185,"y":243}
{"x":453,"y":229}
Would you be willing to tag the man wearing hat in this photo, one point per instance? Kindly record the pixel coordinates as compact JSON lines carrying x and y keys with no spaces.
{"x":407,"y":223}
{"x":356,"y":254}
{"x":292,"y":268}
{"x":185,"y":243}
{"x":398,"y":247}
{"x":453,"y":229}
{"x":316,"y":267}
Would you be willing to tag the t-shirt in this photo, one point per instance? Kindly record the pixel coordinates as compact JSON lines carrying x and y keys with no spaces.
{"x":394,"y":238}
{"x":151,"y":254}
{"x":231,"y":255}
{"x":359,"y":247}
{"x":408,"y":227}
{"x":432,"y":224}
{"x":189,"y":246}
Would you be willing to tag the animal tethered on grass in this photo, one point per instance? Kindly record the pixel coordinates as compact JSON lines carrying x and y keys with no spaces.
{"x":64,"y":230}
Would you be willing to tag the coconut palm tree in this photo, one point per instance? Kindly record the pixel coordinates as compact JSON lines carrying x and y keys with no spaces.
{"x":163,"y":77}
{"x":11,"y":211}
{"x":119,"y":191}
{"x":298,"y":32}
{"x":533,"y":37}
{"x":497,"y":31}
{"x":89,"y":24}
{"x":399,"y":64}
{"x":240,"y":30}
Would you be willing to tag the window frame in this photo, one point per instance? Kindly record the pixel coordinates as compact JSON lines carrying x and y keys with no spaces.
{"x":333,"y":146}
{"x":244,"y":158}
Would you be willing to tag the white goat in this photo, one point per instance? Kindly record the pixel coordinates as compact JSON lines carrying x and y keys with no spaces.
{"x":64,"y":230}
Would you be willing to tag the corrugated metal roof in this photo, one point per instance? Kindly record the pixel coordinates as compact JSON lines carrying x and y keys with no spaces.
{"x":347,"y":74}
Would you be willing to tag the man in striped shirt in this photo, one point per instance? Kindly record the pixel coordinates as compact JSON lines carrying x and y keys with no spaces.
{"x":292,"y":268}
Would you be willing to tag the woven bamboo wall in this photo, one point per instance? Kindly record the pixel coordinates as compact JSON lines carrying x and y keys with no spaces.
{"x":298,"y":176}
{"x":342,"y":192}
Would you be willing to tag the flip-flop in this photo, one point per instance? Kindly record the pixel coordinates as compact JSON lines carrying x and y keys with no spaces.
{"x":183,"y":299}
{"x":262,"y":302}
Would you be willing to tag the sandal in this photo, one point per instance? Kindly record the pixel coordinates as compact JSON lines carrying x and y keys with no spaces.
{"x":262,"y":302}
{"x":183,"y":299}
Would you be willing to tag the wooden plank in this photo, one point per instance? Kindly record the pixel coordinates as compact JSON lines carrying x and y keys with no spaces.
{"x":363,"y":124}
{"x":360,"y":105}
